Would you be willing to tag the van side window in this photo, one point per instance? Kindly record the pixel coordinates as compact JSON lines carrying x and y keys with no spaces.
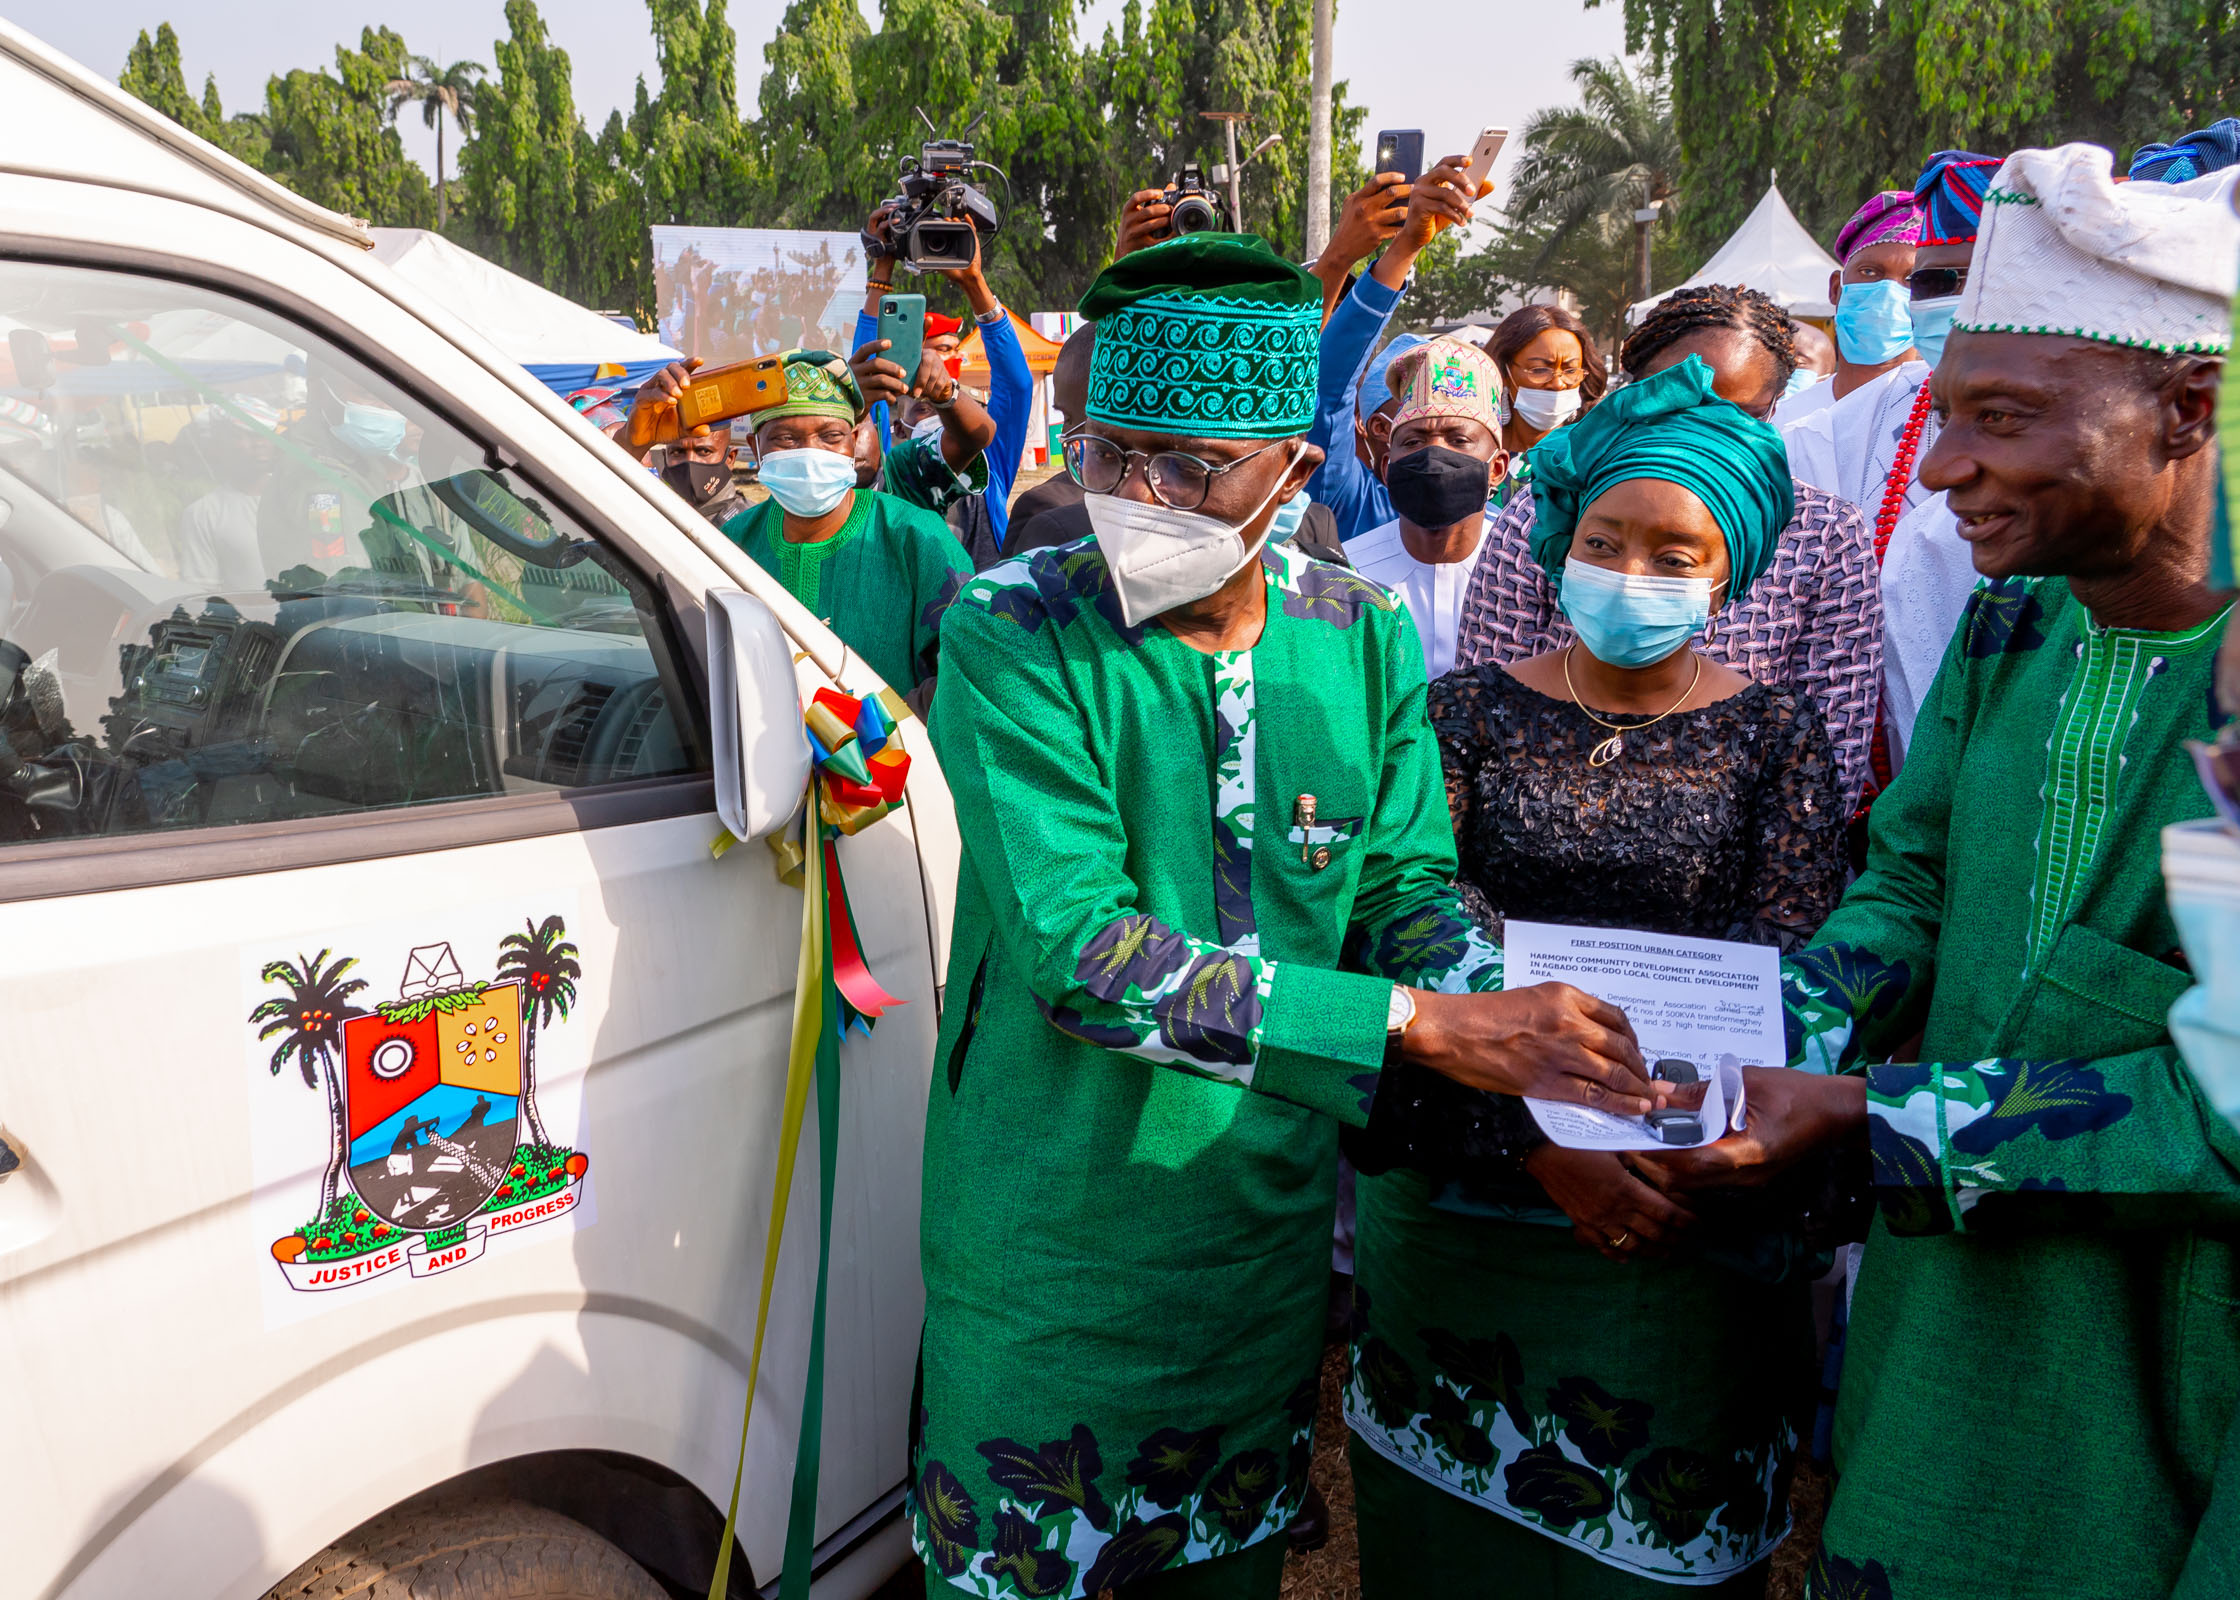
{"x":243,"y":578}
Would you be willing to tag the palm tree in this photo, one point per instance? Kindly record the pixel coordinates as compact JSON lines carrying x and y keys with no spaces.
{"x":1596,"y":163}
{"x":310,"y":1017}
{"x":441,"y":92}
{"x":543,"y":962}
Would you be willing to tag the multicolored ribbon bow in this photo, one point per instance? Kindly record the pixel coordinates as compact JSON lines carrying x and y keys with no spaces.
{"x":857,"y":778}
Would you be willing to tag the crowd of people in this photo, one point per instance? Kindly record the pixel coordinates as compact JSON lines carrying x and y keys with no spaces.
{"x":1329,"y":653}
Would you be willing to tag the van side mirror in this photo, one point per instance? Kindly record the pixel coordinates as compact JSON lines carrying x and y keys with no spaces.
{"x":761,"y":749}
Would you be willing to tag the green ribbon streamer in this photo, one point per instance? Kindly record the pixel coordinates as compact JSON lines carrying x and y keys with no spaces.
{"x":808,"y":1461}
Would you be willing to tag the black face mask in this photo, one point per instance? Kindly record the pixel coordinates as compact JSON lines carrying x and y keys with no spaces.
{"x":1436,"y":487}
{"x":698,"y":481}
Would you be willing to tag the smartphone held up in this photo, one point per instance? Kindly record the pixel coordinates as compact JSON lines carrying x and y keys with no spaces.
{"x":1400,"y":150}
{"x":711,"y":396}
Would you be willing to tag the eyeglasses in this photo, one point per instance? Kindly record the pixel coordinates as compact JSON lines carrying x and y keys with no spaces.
{"x":1935,"y":283}
{"x":1177,"y":481}
{"x":1546,"y":374}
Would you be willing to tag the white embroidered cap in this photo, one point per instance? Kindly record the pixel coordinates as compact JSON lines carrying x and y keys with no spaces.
{"x":2065,"y":249}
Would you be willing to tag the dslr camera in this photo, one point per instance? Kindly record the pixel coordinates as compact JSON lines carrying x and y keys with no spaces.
{"x":1195,"y":206}
{"x":938,"y":213}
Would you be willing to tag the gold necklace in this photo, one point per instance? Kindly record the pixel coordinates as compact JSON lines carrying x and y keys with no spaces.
{"x":1614,"y":746}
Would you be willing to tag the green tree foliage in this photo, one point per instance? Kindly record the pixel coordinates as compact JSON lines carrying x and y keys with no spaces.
{"x":153,"y":72}
{"x":332,"y":137}
{"x":540,"y":195}
{"x":1074,"y":126}
{"x":1846,"y":97}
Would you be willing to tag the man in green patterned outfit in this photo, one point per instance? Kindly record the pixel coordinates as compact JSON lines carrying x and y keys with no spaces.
{"x":2043,"y":1355}
{"x":1206,"y":846}
{"x":879,"y":571}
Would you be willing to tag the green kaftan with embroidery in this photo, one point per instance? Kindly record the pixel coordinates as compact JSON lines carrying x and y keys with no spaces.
{"x":881,"y":583}
{"x":2043,"y":1356}
{"x":1148,"y":1047}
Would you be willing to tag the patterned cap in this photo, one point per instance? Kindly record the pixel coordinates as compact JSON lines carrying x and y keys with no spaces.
{"x":2067,"y":250}
{"x":2193,"y":155}
{"x":818,"y":384}
{"x":1208,"y":336}
{"x":1448,"y":378}
{"x":1891,"y":217}
{"x":1950,"y":194}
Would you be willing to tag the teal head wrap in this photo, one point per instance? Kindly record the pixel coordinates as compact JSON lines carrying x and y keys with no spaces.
{"x":1672,"y":427}
{"x":1209,"y":335}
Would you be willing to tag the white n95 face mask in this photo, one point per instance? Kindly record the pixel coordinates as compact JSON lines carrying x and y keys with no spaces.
{"x":1160,"y":558}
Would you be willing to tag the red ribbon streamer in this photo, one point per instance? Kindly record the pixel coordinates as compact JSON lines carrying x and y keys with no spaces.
{"x":849,"y":973}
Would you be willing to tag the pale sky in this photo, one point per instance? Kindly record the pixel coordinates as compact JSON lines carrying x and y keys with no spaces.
{"x":1411,"y":62}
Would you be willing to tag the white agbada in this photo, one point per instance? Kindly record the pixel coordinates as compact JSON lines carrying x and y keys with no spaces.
{"x":1432,"y":591}
{"x":1847,"y":447}
{"x":1927,"y":576}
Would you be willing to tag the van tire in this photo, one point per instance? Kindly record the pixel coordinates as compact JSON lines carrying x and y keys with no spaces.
{"x":484,"y":1550}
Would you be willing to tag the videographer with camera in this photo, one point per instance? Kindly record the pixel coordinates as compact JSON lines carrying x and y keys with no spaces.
{"x":879,"y":571}
{"x":941,"y":230}
{"x":940,"y":458}
{"x":1347,"y":481}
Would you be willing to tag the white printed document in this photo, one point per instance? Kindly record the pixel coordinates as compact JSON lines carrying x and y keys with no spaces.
{"x":1701,"y":1005}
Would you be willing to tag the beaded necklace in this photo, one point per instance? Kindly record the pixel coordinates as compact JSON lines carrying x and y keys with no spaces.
{"x":1901,"y":474}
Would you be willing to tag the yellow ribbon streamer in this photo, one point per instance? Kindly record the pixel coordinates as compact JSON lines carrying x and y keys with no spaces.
{"x":801,"y":1061}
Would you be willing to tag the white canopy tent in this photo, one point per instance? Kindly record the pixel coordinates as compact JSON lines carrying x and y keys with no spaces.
{"x":560,"y":342}
{"x":1771,"y":253}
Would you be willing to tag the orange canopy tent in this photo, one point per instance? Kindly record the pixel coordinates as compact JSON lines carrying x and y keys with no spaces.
{"x":1042,"y":354}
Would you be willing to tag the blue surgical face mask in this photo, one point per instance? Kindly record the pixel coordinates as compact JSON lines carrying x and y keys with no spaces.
{"x":1932,"y":320}
{"x":808,"y":483}
{"x":1286,"y":521}
{"x":371,"y":430}
{"x":1630,"y":620}
{"x":1874,"y":322}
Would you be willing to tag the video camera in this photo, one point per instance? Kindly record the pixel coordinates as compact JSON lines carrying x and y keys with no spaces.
{"x":938,"y":213}
{"x":1194,"y":207}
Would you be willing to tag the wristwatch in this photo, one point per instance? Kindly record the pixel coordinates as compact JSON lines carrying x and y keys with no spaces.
{"x":1400,"y":1011}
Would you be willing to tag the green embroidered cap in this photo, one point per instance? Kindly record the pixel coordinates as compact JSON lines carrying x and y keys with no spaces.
{"x":818,"y":384}
{"x":1209,"y":335}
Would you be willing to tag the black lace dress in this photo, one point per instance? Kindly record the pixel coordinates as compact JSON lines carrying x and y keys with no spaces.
{"x":1723,"y":823}
{"x":1643,"y":1412}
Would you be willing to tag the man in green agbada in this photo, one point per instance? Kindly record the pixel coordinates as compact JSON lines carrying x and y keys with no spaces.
{"x":1206,"y":845}
{"x":2043,"y":1356}
{"x":879,"y":571}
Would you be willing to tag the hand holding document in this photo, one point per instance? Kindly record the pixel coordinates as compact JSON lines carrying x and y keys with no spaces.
{"x":1701,"y":1008}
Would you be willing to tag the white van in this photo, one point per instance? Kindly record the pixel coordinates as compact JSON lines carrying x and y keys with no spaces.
{"x":391,"y":1070}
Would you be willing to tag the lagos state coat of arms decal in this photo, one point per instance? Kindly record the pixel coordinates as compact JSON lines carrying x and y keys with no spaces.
{"x":435,"y":1146}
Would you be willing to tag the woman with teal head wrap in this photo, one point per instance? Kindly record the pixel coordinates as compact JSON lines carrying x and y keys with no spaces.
{"x":1624,"y":780}
{"x":1673,"y":428}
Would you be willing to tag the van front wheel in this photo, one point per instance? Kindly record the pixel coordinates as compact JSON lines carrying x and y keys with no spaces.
{"x":479,"y":1551}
